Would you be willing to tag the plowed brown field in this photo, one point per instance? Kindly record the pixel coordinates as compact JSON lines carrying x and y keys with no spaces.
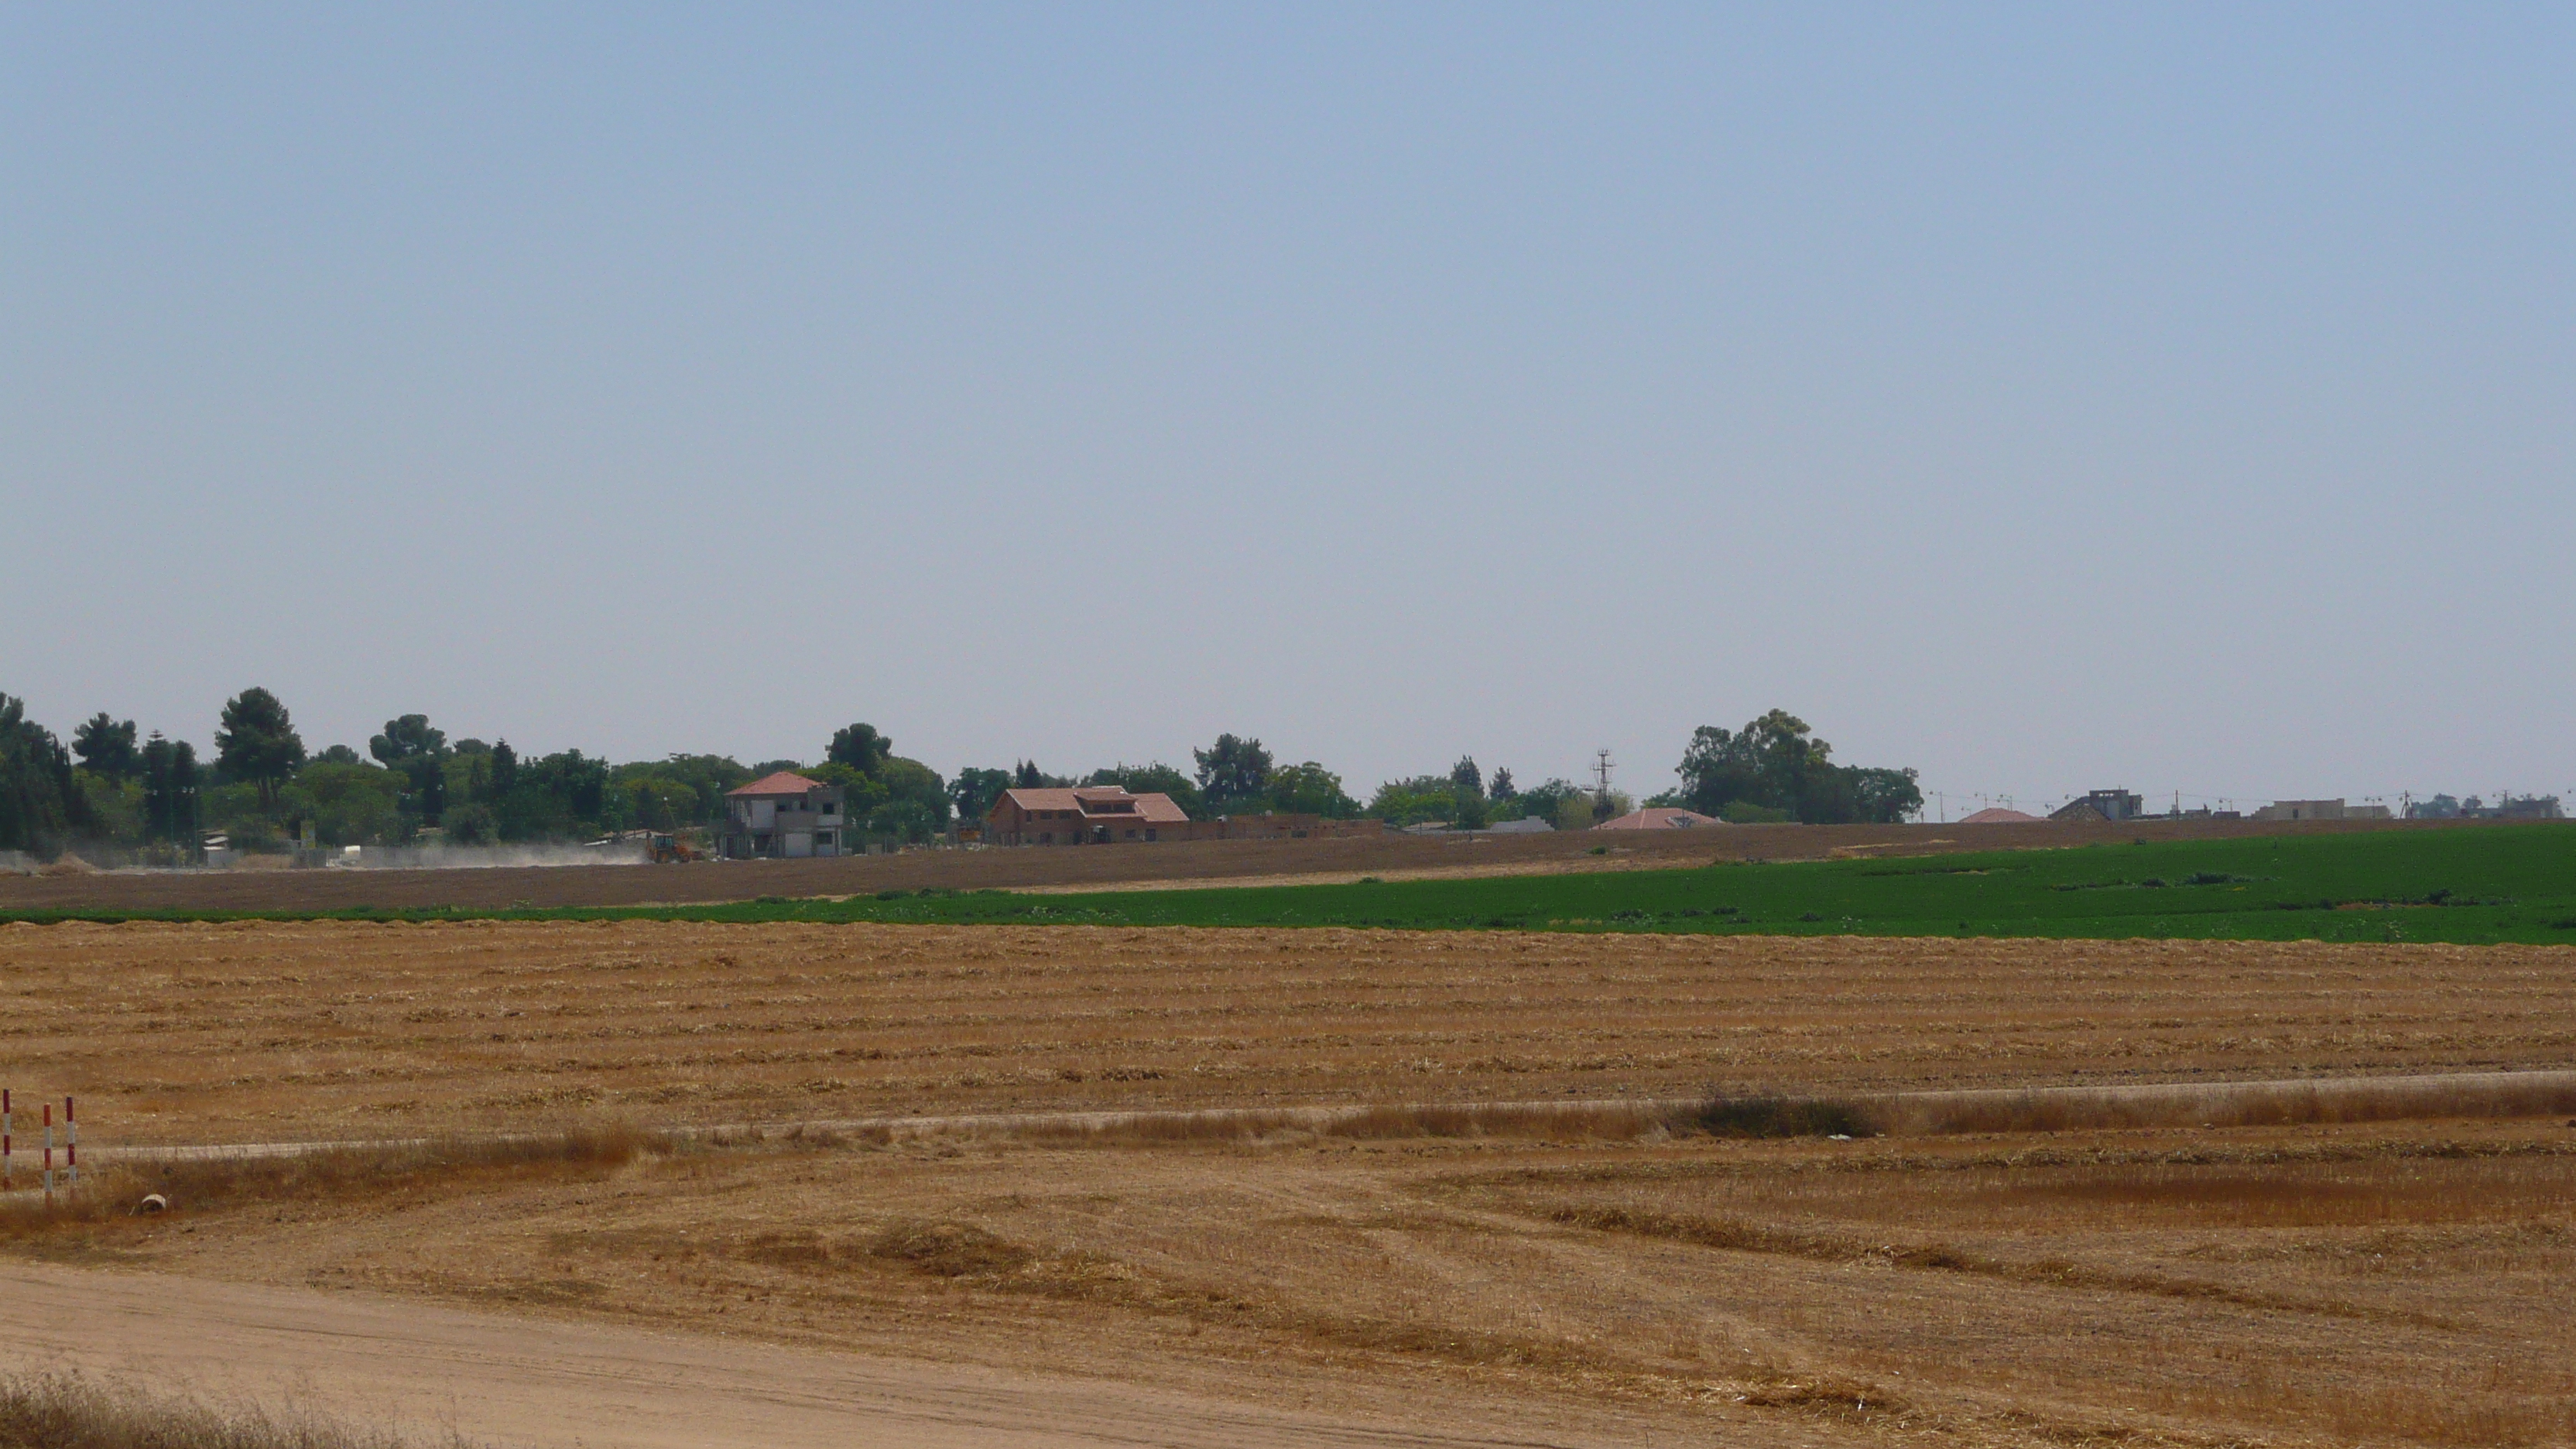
{"x":1233,"y":862}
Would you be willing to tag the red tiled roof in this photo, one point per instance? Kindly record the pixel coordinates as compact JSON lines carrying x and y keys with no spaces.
{"x":1151,"y":809}
{"x":785,"y":782}
{"x":1659,"y":817}
{"x":1998,"y":815}
{"x":1043,"y":799}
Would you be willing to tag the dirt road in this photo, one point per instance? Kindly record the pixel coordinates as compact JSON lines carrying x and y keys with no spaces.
{"x":2466,"y":1094}
{"x":1230,"y":862}
{"x":520,"y":1382}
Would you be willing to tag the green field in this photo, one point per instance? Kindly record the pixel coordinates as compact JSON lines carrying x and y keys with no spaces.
{"x":2468,"y":884}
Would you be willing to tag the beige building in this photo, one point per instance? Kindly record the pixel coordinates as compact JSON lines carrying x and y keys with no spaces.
{"x":2320,"y":810}
{"x":782,"y":817}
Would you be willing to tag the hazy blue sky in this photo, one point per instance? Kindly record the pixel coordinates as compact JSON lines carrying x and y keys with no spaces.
{"x":2046,"y":397}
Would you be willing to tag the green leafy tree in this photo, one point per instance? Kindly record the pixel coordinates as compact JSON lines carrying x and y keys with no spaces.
{"x":892,"y":798}
{"x":1575,"y":812}
{"x":562,"y":796}
{"x":1233,"y":774}
{"x":1548,"y":800}
{"x":1776,"y":764}
{"x":1029,"y":777}
{"x":706,"y":778}
{"x":41,"y":804}
{"x":1877,"y":796}
{"x":657,"y":802}
{"x":1501,"y":789}
{"x":916,"y":805}
{"x":1310,"y":789}
{"x":861,"y":793}
{"x":419,"y":753}
{"x":974,"y":792}
{"x":903,"y":800}
{"x":1466,"y":779}
{"x":257,"y":743}
{"x":171,"y":807}
{"x":1416,"y":800}
{"x":407,"y":737}
{"x":472,"y":823}
{"x":348,"y":803}
{"x":115,"y":807}
{"x":860,"y":747}
{"x":106,"y":747}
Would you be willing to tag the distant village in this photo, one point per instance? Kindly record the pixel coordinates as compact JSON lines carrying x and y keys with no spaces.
{"x":787,"y":815}
{"x":114,"y":796}
{"x":2108,"y":806}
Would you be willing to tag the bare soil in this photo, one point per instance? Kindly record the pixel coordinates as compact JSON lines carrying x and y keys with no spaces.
{"x":466,"y":1376}
{"x":2395,"y":1284}
{"x":1236,"y":862}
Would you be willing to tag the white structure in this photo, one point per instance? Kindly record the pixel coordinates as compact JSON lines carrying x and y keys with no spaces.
{"x":783,"y":817}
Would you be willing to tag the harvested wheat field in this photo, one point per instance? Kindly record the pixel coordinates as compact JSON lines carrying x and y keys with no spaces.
{"x":257,"y":1031}
{"x":1530,"y":1277}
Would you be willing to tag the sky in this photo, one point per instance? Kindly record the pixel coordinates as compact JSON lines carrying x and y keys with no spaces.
{"x":2180,"y":398}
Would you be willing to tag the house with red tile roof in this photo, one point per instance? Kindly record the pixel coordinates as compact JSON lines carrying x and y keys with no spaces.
{"x":784,"y":816}
{"x":1083,"y":815}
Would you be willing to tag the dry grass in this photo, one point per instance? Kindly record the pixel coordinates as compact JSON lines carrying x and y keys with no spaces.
{"x":2538,"y":1094}
{"x":340,"y":1172}
{"x":63,"y":1411}
{"x":2264,"y":1104}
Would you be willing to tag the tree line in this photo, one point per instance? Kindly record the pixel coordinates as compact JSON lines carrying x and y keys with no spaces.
{"x":153,"y":797}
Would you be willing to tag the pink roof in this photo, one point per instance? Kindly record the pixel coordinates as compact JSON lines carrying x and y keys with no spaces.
{"x":785,"y":782}
{"x":1997,"y":815}
{"x":1659,"y":817}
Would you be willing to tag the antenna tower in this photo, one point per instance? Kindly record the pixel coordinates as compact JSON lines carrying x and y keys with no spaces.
{"x":1601,"y":767}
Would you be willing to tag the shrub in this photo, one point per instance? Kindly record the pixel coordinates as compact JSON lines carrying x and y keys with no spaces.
{"x":1777,"y":1117}
{"x":66,"y":1411}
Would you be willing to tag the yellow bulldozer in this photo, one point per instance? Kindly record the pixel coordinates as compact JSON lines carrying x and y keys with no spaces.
{"x":662,"y":849}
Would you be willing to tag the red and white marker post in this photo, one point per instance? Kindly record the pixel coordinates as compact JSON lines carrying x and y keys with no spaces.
{"x":71,"y":1149}
{"x":49,"y":1152}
